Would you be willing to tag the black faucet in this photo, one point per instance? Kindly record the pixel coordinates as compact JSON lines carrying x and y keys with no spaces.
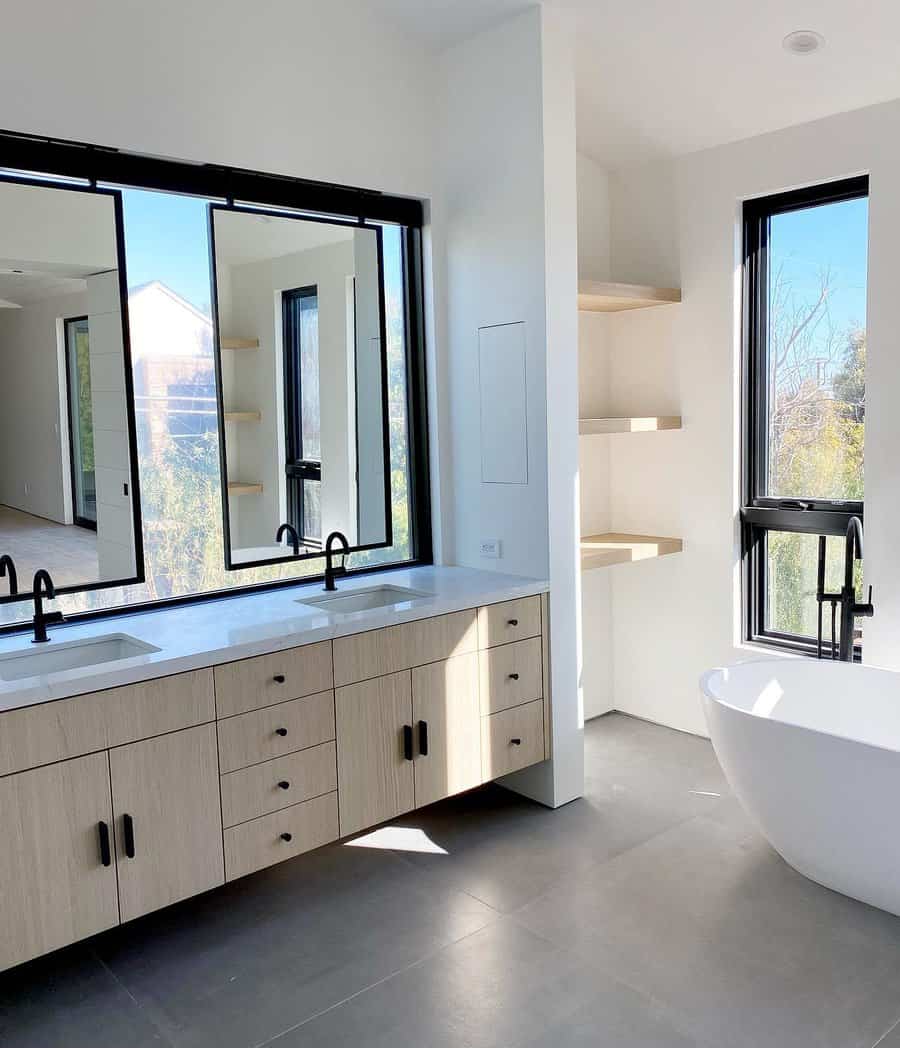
{"x":8,"y":568}
{"x":291,"y":531}
{"x":850,"y":609}
{"x":331,"y":572}
{"x":43,"y":587}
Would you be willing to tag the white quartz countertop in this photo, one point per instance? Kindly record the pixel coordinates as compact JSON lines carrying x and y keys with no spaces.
{"x":204,"y":634}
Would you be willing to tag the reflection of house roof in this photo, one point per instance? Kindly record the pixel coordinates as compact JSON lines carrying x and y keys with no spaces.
{"x":160,"y":288}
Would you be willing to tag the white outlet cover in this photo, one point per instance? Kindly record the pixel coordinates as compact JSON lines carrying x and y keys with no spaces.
{"x":490,"y":548}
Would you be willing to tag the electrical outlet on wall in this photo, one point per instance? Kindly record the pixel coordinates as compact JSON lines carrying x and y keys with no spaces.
{"x":490,"y":548}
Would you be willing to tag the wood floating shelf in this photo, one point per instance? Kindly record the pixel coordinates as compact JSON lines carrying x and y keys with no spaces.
{"x":602,"y":551}
{"x":597,"y":297}
{"x":243,"y":416}
{"x":240,"y":343}
{"x":646,"y":424}
{"x":235,"y":488}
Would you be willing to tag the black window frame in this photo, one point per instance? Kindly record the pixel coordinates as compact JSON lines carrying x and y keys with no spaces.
{"x":77,"y":519}
{"x":298,"y":467}
{"x":66,"y":163}
{"x":760,"y":513}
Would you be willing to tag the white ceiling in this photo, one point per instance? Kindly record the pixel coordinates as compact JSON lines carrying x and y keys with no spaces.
{"x":22,"y":282}
{"x":658,"y":78}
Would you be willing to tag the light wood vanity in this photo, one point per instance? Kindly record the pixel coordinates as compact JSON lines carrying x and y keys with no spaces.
{"x":119,"y":802}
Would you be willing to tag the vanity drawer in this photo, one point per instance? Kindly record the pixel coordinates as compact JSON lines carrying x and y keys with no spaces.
{"x":500,"y":754}
{"x":264,"y":680}
{"x":511,"y":675}
{"x":262,"y":735}
{"x":281,"y":835}
{"x":55,"y":731}
{"x":509,"y":621}
{"x":377,"y":653}
{"x":277,"y":784}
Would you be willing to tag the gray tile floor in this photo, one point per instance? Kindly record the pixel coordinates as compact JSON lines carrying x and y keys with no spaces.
{"x":650,"y":913}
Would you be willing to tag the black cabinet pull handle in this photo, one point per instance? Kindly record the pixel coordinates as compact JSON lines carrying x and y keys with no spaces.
{"x":284,"y":785}
{"x":423,"y":738}
{"x":513,"y":676}
{"x":105,"y":852}
{"x":513,"y":622}
{"x":128,"y":827}
{"x":278,"y":678}
{"x":408,"y":742}
{"x":281,"y":731}
{"x":515,"y":742}
{"x":288,"y":837}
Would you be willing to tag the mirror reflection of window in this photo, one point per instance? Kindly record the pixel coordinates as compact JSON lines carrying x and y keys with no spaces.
{"x":303,"y":422}
{"x":81,"y":423}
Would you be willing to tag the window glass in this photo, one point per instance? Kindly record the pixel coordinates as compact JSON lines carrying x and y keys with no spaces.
{"x":816,"y":359}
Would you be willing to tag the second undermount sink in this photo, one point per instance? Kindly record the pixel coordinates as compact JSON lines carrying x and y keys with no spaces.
{"x":41,"y":659}
{"x":363,"y":599}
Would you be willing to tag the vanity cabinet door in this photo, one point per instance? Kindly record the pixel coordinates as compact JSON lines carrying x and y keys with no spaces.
{"x":57,"y":881}
{"x":168,"y":819}
{"x":375,"y":751}
{"x":447,"y":723}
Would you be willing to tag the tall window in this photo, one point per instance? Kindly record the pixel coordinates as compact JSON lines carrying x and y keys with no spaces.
{"x":81,"y":423}
{"x":302,"y":417}
{"x":804,"y":399}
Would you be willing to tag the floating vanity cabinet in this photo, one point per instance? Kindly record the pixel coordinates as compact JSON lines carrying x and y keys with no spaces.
{"x":447,"y":728}
{"x":511,"y":675}
{"x":57,"y":876}
{"x":251,"y":684}
{"x":375,"y":750}
{"x":168,"y":821}
{"x":512,"y":740}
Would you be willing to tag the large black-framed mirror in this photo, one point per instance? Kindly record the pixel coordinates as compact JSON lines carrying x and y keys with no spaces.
{"x":302,"y":383}
{"x":69,"y":489}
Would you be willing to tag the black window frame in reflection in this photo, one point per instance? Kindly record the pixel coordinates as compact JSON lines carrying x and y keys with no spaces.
{"x":18,"y":167}
{"x":413,"y":393}
{"x":299,"y":467}
{"x":760,"y":513}
{"x":79,"y":520}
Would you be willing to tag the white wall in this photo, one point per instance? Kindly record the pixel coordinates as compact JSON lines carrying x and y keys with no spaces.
{"x":677,"y":616}
{"x":593,"y":219}
{"x":33,"y":437}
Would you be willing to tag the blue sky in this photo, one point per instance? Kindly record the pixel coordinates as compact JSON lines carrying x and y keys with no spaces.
{"x":166,"y":239}
{"x":834,"y":236}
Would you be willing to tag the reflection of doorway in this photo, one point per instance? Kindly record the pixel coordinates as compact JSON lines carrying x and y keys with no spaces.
{"x":303,"y":445}
{"x":81,"y":422}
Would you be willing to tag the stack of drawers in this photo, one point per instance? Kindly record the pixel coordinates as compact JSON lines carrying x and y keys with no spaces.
{"x":277,"y":756}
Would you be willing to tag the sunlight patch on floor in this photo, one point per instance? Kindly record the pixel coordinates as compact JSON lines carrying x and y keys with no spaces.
{"x":398,"y":838}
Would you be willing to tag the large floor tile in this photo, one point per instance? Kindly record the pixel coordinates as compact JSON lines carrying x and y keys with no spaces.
{"x":70,"y":1000}
{"x":242,"y":964}
{"x":502,"y":987}
{"x":709,"y":920}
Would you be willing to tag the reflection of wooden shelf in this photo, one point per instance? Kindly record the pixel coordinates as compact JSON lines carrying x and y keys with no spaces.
{"x":240,"y":343}
{"x":646,"y":424}
{"x":243,"y":416}
{"x":597,"y":297}
{"x":235,"y":488}
{"x":602,"y":551}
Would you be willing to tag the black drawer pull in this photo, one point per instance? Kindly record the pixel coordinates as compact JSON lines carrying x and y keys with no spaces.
{"x":407,"y":742}
{"x":284,"y":785}
{"x":278,"y":678}
{"x":515,"y":742}
{"x":423,"y":738}
{"x":513,"y":622}
{"x":287,"y":837}
{"x":513,"y":676}
{"x":105,"y":852}
{"x":128,"y":827}
{"x":281,"y":731}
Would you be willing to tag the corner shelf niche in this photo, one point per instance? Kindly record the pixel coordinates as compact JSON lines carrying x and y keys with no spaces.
{"x":596,"y":296}
{"x":240,"y":343}
{"x":602,"y":551}
{"x":643,"y":424}
{"x":238,"y":488}
{"x":243,"y":416}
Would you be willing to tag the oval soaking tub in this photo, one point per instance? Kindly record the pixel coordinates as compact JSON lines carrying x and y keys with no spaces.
{"x":812,"y":752}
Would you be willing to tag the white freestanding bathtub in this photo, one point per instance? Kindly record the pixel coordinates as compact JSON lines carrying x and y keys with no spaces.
{"x":812,"y":751}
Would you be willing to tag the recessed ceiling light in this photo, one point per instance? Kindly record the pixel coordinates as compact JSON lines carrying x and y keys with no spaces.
{"x":803,"y":42}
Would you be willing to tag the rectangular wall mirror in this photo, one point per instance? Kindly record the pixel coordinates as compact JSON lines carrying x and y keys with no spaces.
{"x":68,"y":477}
{"x":302,"y":384}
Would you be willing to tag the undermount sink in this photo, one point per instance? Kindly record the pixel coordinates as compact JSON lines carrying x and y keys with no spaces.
{"x":363,"y":600}
{"x":42,"y":659}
